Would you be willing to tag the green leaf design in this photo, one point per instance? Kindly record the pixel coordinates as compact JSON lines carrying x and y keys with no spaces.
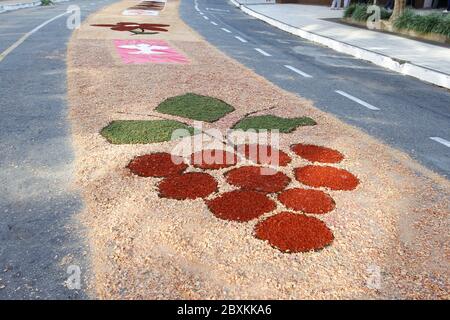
{"x":143,"y":131}
{"x":270,"y":122}
{"x":195,"y":107}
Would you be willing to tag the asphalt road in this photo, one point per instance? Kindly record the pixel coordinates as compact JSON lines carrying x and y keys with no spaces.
{"x":399,"y":110}
{"x":37,"y":199}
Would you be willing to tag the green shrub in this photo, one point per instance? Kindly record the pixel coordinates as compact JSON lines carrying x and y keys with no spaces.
{"x":349,"y":10}
{"x":443,"y":26}
{"x":385,"y":14}
{"x":432,"y":23}
{"x":404,"y":20}
{"x":46,"y":2}
{"x":360,"y":13}
{"x":426,"y":23}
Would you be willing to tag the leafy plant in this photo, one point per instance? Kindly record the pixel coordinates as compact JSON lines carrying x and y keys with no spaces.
{"x":443,"y":26}
{"x":360,"y":13}
{"x":385,"y":14}
{"x":349,"y":11}
{"x":432,"y":23}
{"x":46,"y":2}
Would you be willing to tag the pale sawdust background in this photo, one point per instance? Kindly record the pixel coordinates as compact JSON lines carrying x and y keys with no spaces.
{"x":146,"y":247}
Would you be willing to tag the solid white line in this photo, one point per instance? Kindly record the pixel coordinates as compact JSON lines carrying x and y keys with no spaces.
{"x":26,"y":35}
{"x":212,"y":22}
{"x":240,"y":39}
{"x":363,"y":103}
{"x":226,"y":30}
{"x":440,"y":140}
{"x":304,"y":74}
{"x":263,"y":52}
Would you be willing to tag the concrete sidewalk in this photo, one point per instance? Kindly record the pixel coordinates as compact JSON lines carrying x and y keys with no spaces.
{"x":10,"y":5}
{"x":428,"y":62}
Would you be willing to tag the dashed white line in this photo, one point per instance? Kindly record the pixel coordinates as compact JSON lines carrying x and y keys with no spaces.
{"x":205,"y":17}
{"x":240,"y":39}
{"x":303,"y":74}
{"x":442,"y":141}
{"x":263,"y":52}
{"x":201,"y":13}
{"x":218,"y":10}
{"x":26,"y":35}
{"x":226,"y":30}
{"x":361,"y":102}
{"x":212,"y":22}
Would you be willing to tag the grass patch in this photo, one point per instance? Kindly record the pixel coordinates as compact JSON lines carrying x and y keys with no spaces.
{"x":269,"y":122}
{"x":196,"y":107}
{"x":142,"y":131}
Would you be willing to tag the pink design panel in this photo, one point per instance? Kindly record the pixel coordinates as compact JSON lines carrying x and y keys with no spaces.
{"x":148,"y":51}
{"x":140,"y":12}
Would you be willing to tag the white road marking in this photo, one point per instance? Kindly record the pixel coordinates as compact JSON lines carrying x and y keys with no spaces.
{"x":205,"y":17}
{"x":304,"y":74}
{"x":212,"y":22}
{"x":240,"y":39}
{"x":263,"y":52}
{"x":201,"y":13}
{"x":218,"y":10}
{"x":26,"y":35}
{"x":440,"y":140}
{"x":226,"y":30}
{"x":361,"y":102}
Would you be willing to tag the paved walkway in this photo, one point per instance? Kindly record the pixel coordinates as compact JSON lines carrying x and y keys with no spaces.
{"x":12,"y":2}
{"x":312,"y":19}
{"x":10,"y":5}
{"x":6,"y":5}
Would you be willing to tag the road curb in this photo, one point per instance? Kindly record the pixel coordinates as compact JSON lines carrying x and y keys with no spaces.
{"x":403,"y":67}
{"x":17,"y":6}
